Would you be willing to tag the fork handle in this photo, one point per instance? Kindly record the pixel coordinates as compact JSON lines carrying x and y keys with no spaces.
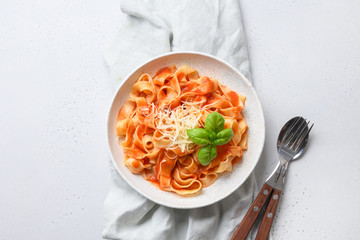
{"x":269,"y":215}
{"x":244,"y":228}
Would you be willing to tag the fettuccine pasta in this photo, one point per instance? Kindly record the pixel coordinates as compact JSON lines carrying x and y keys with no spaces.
{"x":152,"y":127}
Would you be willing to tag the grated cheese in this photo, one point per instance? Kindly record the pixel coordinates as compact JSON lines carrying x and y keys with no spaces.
{"x":173,"y":124}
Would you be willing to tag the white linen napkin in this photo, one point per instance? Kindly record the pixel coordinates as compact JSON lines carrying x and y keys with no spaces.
{"x":151,"y":28}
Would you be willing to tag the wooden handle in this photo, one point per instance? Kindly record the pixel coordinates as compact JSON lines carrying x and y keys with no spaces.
{"x":244,"y":228}
{"x":269,"y":215}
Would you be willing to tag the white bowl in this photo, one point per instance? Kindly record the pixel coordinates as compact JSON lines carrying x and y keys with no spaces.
{"x":226,"y":182}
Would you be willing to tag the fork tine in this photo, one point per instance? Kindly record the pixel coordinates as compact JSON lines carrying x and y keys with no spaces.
{"x":297,"y":136}
{"x":287,"y":133}
{"x":294,"y":135}
{"x":300,"y":142}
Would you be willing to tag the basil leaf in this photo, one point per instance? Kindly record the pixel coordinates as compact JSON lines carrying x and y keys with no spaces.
{"x":200,"y":136}
{"x":206,"y":154}
{"x":212,"y":135}
{"x":214,"y":122}
{"x":224,"y":136}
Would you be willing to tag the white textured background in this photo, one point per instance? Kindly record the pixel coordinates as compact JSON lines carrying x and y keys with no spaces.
{"x":55,"y":91}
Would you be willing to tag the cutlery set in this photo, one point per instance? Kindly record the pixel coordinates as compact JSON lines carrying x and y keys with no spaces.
{"x":291,"y":144}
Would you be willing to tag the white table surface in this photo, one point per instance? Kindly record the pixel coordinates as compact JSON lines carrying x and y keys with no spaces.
{"x":55,"y":92}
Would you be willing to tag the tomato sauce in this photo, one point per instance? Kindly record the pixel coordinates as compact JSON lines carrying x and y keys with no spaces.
{"x":222,"y":151}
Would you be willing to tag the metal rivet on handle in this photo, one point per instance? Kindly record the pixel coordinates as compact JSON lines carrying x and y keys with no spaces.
{"x":275,"y":197}
{"x":265,"y":192}
{"x":269,"y":215}
{"x":256,"y":209}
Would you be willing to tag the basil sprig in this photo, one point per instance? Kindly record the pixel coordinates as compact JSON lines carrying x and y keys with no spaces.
{"x":213,"y":134}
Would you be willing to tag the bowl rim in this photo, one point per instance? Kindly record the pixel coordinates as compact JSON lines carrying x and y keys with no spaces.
{"x":124,"y":80}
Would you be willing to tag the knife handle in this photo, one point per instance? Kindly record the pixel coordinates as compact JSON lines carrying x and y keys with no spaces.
{"x":246,"y":224}
{"x":269,"y":215}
